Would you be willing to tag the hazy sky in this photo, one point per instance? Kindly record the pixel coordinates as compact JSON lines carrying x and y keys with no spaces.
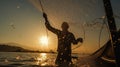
{"x":21,"y":22}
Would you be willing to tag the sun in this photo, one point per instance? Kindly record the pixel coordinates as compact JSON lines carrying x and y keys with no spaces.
{"x":44,"y":40}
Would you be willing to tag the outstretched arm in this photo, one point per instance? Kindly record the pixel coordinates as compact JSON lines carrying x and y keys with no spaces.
{"x":48,"y":26}
{"x":75,"y":41}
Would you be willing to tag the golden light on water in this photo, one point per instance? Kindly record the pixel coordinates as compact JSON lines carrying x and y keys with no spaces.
{"x":43,"y":56}
{"x":42,"y":59}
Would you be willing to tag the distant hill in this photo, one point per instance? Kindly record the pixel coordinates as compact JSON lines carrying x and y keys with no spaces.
{"x":12,"y":44}
{"x":8,"y":48}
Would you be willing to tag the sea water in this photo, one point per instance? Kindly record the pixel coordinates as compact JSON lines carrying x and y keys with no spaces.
{"x":26,"y":59}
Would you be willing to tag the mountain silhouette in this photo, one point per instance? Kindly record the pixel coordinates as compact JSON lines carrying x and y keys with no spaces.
{"x":11,"y":48}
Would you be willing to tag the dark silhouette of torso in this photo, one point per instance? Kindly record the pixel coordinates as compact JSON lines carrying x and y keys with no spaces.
{"x":65,"y":39}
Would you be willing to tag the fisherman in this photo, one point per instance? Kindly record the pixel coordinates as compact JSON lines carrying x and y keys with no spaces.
{"x":65,"y":39}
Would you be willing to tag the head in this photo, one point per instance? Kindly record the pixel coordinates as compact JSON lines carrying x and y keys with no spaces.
{"x":64,"y":26}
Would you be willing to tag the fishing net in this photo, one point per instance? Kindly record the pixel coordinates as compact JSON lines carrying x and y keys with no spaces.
{"x":85,"y":17}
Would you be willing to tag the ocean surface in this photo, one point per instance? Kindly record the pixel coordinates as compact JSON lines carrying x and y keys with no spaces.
{"x":20,"y":59}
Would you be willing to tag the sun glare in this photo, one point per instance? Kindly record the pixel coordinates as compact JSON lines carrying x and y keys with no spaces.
{"x":44,"y":40}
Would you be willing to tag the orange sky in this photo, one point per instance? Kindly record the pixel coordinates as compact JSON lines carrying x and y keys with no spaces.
{"x":21,"y":22}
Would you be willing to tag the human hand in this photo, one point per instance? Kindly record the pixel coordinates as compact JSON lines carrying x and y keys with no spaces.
{"x":45,"y":16}
{"x":80,"y":40}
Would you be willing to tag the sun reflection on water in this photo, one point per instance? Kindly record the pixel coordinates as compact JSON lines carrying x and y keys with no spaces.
{"x":42,"y":59}
{"x":45,"y":59}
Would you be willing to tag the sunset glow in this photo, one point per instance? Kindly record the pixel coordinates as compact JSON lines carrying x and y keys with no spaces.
{"x":43,"y":40}
{"x":22,"y":23}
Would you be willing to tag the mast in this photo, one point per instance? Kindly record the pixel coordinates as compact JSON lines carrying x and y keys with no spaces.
{"x":113,"y":30}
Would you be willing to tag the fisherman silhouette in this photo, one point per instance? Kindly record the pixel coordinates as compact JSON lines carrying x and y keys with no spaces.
{"x":65,"y":39}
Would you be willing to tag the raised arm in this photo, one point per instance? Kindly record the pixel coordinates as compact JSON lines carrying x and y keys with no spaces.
{"x":48,"y":26}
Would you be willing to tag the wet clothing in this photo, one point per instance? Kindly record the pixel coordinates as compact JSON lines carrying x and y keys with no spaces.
{"x":64,"y":44}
